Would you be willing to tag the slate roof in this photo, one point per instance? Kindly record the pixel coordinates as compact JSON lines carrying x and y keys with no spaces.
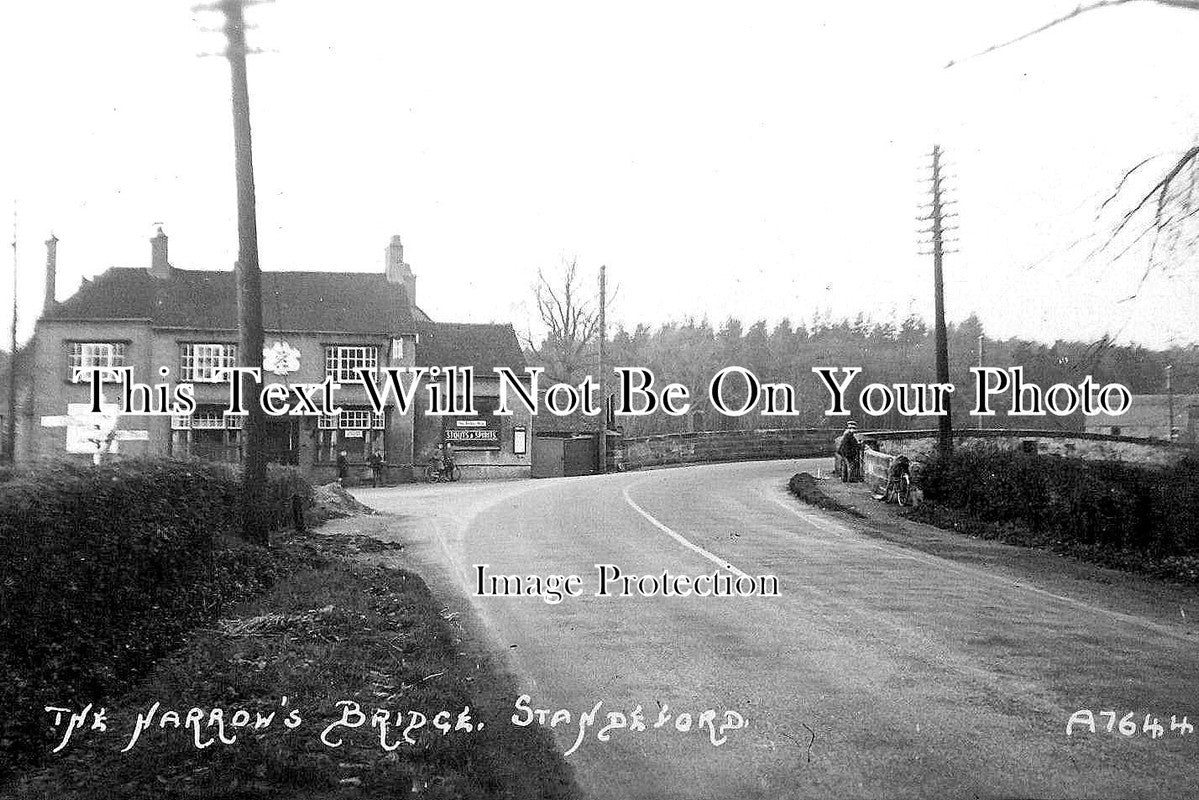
{"x":350,"y":302}
{"x":482,"y":346}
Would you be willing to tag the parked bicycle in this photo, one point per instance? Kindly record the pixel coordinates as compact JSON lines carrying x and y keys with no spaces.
{"x":900,"y":488}
{"x":436,"y":473}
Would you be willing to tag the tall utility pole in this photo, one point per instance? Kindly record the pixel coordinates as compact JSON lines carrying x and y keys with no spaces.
{"x":1170,"y":401}
{"x":10,"y":422}
{"x":937,"y":230}
{"x":982,"y":339}
{"x":603,"y":376}
{"x":249,"y":279}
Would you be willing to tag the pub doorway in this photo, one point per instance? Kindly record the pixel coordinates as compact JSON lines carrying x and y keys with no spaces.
{"x":281,"y":440}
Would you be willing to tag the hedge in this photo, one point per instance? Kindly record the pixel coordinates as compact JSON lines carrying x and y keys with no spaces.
{"x":1104,"y":506}
{"x":104,"y":569}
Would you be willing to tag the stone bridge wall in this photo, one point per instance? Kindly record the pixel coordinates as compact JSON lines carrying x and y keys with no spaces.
{"x":752,"y":445}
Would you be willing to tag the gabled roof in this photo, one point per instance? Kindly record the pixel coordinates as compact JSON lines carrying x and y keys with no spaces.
{"x":350,"y":302}
{"x":482,"y":346}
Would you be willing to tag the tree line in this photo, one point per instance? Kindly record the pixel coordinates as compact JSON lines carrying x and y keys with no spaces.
{"x":901,"y":351}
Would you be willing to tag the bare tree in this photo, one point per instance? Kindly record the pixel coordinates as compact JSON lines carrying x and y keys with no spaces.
{"x":567,"y":309}
{"x":1166,"y":199}
{"x":1079,"y":10}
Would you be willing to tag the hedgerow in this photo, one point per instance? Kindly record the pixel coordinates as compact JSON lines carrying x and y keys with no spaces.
{"x":1111,"y":512}
{"x":104,"y":569}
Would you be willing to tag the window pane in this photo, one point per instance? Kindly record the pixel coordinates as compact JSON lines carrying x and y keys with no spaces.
{"x":88,"y":355}
{"x":342,"y":362}
{"x":206,"y":363}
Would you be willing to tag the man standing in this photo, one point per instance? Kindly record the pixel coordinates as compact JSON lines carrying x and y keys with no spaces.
{"x":343,"y":466}
{"x":849,"y":450}
{"x":376,"y":467}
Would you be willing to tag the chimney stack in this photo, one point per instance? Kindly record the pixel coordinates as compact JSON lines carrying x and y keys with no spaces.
{"x":160,"y":267}
{"x":397,"y":271}
{"x":51,"y":273}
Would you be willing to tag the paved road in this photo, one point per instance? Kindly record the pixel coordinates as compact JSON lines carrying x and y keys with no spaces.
{"x":878,"y":671}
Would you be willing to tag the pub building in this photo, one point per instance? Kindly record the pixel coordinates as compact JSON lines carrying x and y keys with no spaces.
{"x":317,"y":325}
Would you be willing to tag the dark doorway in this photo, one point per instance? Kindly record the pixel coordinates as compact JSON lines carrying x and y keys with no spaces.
{"x":282,"y":440}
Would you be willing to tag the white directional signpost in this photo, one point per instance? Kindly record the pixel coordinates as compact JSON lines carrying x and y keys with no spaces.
{"x":93,"y":433}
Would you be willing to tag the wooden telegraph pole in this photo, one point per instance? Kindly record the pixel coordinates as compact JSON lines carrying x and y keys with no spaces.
{"x":10,"y":422}
{"x":982,"y":344}
{"x":603,"y":378}
{"x":1170,"y":402}
{"x":937,"y":230}
{"x":249,"y":278}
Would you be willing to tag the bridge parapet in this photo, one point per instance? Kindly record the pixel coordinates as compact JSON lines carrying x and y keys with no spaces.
{"x":750,"y":445}
{"x":876,"y":466}
{"x":775,"y":443}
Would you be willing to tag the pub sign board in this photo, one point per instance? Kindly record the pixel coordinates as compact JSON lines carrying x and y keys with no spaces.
{"x":473,"y":433}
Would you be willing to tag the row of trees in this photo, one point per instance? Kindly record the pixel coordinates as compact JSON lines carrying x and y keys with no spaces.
{"x":888,"y":351}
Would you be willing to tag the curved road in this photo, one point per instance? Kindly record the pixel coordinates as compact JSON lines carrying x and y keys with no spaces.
{"x":878,"y":671}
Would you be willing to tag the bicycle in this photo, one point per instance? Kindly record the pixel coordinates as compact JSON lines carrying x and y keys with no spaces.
{"x":435,"y":473}
{"x":900,"y":491}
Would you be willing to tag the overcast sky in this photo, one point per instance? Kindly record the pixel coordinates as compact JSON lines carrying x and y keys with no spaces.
{"x":759,"y":160}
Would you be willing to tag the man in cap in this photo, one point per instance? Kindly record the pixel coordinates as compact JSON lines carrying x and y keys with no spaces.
{"x":849,"y":450}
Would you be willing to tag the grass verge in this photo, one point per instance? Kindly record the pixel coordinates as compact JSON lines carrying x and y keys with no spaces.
{"x":1177,"y":569}
{"x":334,"y":631}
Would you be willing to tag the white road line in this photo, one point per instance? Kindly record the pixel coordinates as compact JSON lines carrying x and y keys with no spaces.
{"x":717,"y":560}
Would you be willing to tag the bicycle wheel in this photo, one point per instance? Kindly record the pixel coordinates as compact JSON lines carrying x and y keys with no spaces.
{"x":431,"y":473}
{"x":456,"y":473}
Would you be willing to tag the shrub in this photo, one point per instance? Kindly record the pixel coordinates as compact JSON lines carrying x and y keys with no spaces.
{"x":1103,"y":506}
{"x":104,"y":569}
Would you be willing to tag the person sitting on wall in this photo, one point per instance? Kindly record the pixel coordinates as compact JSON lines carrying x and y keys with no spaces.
{"x":849,"y":451}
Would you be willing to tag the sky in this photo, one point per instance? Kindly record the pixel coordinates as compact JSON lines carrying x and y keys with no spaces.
{"x":757,"y":160}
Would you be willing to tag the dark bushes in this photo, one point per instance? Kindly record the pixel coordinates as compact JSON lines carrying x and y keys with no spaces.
{"x":1103,"y":509}
{"x":104,"y":569}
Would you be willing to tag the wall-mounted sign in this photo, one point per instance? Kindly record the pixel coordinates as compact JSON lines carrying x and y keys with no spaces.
{"x":481,"y":432}
{"x":280,"y":358}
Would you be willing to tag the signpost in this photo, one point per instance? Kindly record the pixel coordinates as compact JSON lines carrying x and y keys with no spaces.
{"x":93,"y":433}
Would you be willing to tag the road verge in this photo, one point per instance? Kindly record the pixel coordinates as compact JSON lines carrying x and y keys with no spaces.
{"x":334,"y":637}
{"x":804,"y":486}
